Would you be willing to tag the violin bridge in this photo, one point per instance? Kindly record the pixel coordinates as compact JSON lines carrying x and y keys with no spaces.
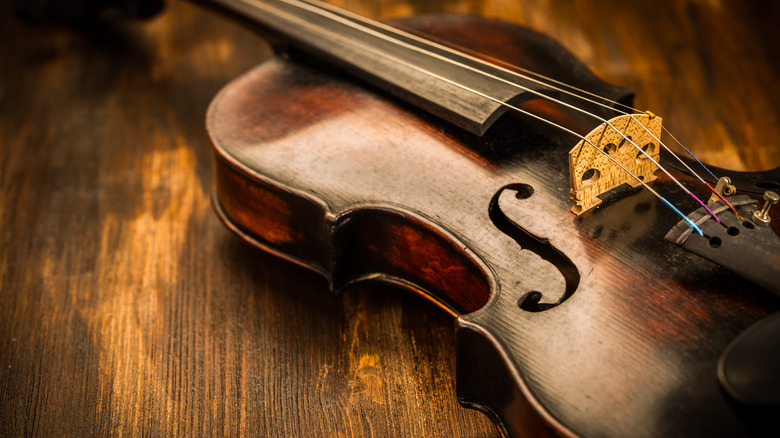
{"x":592,"y":173}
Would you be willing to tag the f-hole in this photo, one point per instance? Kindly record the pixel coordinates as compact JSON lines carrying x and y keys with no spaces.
{"x":541,"y":246}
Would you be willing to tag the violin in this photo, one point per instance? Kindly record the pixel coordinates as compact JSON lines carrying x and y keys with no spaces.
{"x":479,"y":164}
{"x":435,"y":153}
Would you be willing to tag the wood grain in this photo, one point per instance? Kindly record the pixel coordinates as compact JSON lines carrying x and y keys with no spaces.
{"x":128,"y":309}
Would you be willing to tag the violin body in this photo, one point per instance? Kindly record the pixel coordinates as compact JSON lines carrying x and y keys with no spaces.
{"x":566,"y":325}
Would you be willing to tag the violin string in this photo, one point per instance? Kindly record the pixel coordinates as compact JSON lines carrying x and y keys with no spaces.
{"x":605,"y":99}
{"x":357,"y":19}
{"x":502,"y":66}
{"x":630,"y":108}
{"x":358,"y":23}
{"x":378,"y":53}
{"x":573,"y":90}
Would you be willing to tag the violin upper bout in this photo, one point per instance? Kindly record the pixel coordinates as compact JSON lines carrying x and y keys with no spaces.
{"x":593,"y":162}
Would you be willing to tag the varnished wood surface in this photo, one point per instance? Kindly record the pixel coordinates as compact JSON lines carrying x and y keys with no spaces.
{"x":127,"y":309}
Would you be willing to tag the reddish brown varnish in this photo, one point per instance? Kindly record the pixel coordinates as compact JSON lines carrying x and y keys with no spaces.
{"x":401,"y":248}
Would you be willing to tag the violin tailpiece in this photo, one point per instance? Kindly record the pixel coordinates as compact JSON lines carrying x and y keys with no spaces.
{"x":593,"y":173}
{"x":741,"y":246}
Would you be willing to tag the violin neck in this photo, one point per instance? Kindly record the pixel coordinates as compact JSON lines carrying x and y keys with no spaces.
{"x":454,"y":86}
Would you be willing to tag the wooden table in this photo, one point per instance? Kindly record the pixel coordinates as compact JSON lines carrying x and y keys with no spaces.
{"x":126,"y":308}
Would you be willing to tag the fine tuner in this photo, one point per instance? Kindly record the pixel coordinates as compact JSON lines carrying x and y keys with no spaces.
{"x":761,"y":217}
